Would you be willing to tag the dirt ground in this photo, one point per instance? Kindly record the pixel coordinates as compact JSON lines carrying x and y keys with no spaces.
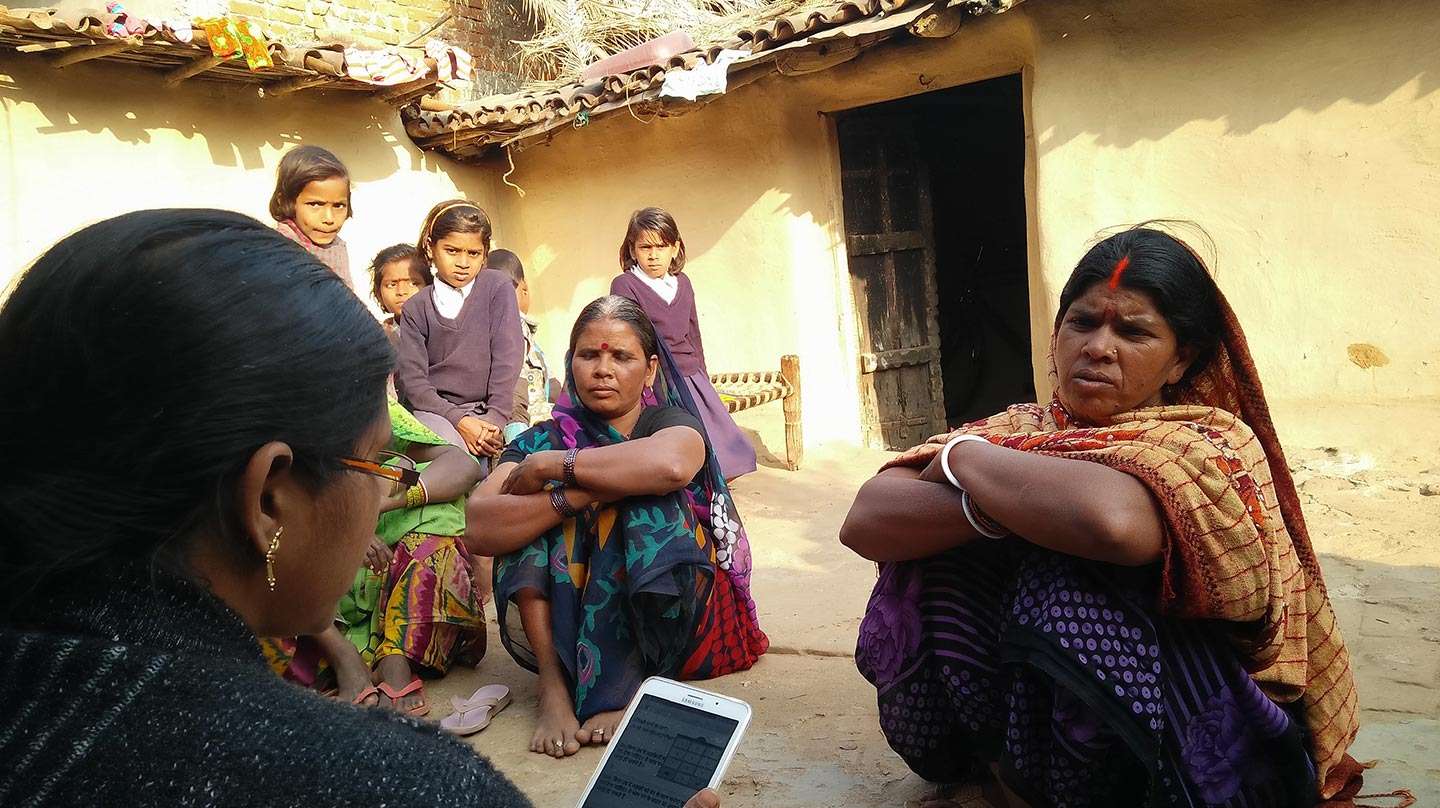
{"x":1372,"y":496}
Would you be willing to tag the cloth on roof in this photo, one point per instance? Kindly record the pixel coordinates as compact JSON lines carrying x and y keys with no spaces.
{"x":125,"y":24}
{"x":229,"y":36}
{"x":501,"y":118}
{"x":182,"y":30}
{"x":390,"y":66}
{"x":170,"y":43}
{"x":451,"y":63}
{"x":702,"y":79}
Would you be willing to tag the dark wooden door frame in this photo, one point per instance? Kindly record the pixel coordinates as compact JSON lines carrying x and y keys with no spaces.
{"x":908,"y":420}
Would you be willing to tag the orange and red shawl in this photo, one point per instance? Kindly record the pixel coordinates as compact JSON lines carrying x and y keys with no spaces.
{"x":1236,"y":546}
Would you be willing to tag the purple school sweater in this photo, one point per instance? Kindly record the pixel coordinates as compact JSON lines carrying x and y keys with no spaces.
{"x":676,"y":321}
{"x":465,"y":366}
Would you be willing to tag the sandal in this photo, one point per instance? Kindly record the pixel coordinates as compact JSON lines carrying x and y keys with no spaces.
{"x":470,"y":721}
{"x":360,"y":697}
{"x":497,"y":696}
{"x":395,"y":695}
{"x":473,"y":714}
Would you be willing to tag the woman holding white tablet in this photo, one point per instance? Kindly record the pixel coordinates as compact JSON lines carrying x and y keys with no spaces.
{"x":226,"y":486}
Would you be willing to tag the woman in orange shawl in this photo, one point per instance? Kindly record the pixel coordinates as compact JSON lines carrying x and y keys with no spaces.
{"x":1149,"y":627}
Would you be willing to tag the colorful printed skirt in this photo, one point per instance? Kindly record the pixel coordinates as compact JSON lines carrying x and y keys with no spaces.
{"x":432,"y":612}
{"x":1058,"y":670}
{"x":634,"y":591}
{"x":429,"y":611}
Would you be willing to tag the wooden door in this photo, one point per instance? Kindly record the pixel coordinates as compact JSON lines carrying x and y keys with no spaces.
{"x":890,"y":244}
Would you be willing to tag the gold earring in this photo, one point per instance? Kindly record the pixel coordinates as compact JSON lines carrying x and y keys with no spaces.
{"x":270,"y":558}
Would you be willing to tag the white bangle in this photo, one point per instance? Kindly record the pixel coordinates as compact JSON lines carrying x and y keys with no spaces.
{"x":965,"y":504}
{"x":945,"y":456}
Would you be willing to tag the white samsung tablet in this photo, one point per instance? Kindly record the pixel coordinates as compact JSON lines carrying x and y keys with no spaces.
{"x":673,"y":741}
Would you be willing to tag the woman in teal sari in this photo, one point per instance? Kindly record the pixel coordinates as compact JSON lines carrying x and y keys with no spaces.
{"x":619,"y":551}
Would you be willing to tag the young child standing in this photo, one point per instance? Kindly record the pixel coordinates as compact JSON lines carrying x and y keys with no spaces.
{"x":460,"y":339}
{"x":311,"y":203}
{"x":652,"y":260}
{"x":396,"y":274}
{"x":535,"y":394}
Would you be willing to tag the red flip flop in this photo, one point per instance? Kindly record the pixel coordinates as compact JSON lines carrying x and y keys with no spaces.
{"x":360,"y":697}
{"x":395,"y":695}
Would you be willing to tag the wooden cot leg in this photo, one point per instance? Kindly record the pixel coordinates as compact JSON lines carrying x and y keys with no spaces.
{"x":794,"y":436}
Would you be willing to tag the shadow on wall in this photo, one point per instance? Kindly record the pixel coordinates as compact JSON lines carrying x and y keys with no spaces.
{"x":1242,"y":63}
{"x":130,"y":103}
{"x":710,"y":167}
{"x":739,"y":177}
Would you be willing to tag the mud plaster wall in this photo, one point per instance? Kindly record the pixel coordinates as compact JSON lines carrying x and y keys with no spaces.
{"x":1301,"y":136}
{"x":93,"y":141}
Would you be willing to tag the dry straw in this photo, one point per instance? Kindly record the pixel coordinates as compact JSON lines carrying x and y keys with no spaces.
{"x":574,"y":33}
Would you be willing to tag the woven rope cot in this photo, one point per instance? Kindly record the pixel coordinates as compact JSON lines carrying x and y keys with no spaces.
{"x":743,"y":390}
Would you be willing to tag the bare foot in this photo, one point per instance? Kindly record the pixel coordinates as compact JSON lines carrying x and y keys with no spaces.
{"x":351,"y":675}
{"x":985,"y":791}
{"x":599,"y":728}
{"x":351,"y":683}
{"x":556,"y":725}
{"x":394,"y":670}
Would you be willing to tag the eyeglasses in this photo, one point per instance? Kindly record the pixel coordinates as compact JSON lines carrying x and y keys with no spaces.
{"x":393,"y":467}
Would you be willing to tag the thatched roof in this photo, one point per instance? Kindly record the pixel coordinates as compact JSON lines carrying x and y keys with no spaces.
{"x":820,"y":36}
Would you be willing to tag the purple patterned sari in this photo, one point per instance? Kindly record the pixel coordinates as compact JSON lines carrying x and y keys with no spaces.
{"x":1057,"y":669}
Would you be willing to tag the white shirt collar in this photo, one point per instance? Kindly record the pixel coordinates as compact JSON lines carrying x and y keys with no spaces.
{"x":449,"y":300}
{"x":666,"y":286}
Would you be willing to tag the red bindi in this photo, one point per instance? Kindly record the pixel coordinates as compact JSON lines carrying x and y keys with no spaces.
{"x":604,"y":346}
{"x":1120,"y":267}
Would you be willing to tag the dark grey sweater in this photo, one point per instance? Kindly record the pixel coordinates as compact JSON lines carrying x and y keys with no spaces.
{"x":141,"y":690}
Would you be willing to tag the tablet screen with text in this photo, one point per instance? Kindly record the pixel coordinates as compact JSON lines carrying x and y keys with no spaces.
{"x":667,"y":752}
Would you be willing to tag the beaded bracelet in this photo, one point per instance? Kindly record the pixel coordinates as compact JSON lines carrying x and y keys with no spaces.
{"x":981,"y":521}
{"x":568,"y":467}
{"x":562,"y":505}
{"x":416,"y":495}
{"x":978,"y":519}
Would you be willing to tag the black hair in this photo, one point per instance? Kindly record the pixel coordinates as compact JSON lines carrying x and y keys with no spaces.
{"x":397,"y":252}
{"x":662,"y":224}
{"x":452,"y":216}
{"x":146,"y":358}
{"x":507,"y":262}
{"x":1169,"y":272}
{"x":298,"y":168}
{"x":614,"y":307}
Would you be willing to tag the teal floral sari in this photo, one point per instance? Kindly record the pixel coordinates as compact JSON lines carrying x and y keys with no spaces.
{"x":650,"y":585}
